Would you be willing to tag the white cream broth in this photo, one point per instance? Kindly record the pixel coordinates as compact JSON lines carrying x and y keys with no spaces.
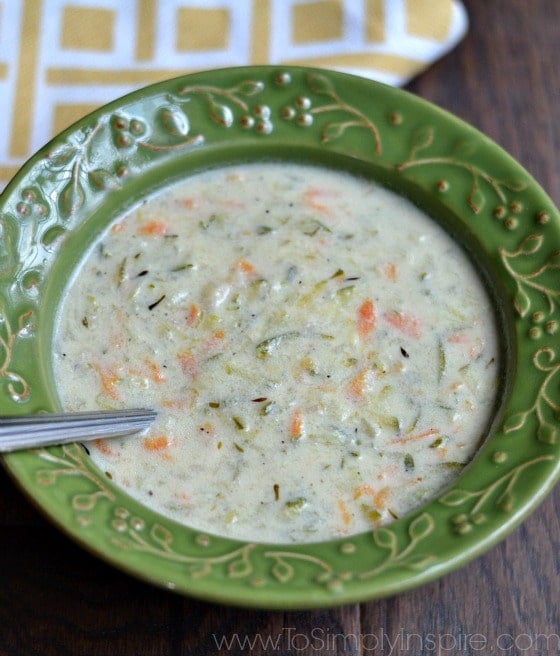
{"x":321,"y":354}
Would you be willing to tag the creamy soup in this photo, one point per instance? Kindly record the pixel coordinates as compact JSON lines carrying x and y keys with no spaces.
{"x":321,"y":354}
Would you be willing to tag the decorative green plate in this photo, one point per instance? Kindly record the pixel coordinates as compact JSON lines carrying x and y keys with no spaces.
{"x":109,"y":160}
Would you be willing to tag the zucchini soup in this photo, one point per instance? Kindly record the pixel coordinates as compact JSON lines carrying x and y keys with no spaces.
{"x":322,"y":355}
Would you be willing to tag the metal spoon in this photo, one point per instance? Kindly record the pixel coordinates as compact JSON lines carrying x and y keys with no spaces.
{"x":33,"y":431}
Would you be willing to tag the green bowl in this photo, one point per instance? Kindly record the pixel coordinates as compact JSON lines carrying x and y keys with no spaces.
{"x":70,"y":190}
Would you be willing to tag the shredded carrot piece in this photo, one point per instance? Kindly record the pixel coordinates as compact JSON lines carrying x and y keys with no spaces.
{"x":187,"y":362}
{"x":391,"y":271}
{"x":245,"y":267}
{"x":458,"y":338}
{"x":188,"y":203}
{"x":231,"y":204}
{"x":310,"y":199}
{"x":406,"y":323}
{"x":103,"y":446}
{"x":366,"y":318}
{"x":214,"y":340}
{"x":193,"y":315}
{"x":356,"y":386}
{"x":182,"y":496}
{"x":109,"y":380}
{"x":344,"y":512}
{"x":295,"y":429}
{"x":117,"y":227}
{"x":176,"y":404}
{"x":327,"y":389}
{"x":208,"y":428}
{"x":380,"y":498}
{"x":156,"y":443}
{"x":419,"y":436}
{"x":475,"y":351}
{"x":155,"y":372}
{"x":363,"y":489}
{"x":154,"y":228}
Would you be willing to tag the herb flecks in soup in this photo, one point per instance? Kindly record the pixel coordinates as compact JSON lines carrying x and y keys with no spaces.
{"x":322,"y":355}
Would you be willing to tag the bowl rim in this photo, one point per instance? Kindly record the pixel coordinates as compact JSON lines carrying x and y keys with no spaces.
{"x":213,"y":117}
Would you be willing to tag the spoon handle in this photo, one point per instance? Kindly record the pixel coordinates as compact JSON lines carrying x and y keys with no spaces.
{"x":33,"y":431}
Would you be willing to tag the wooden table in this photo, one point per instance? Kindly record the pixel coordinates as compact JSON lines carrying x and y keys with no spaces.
{"x":55,"y":598}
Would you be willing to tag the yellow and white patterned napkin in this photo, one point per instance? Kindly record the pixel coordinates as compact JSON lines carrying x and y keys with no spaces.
{"x":60,"y":59}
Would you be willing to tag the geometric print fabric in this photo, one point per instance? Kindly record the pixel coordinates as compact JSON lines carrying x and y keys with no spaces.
{"x":60,"y":59}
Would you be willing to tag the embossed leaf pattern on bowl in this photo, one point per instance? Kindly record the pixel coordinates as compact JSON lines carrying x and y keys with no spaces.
{"x":279,"y":110}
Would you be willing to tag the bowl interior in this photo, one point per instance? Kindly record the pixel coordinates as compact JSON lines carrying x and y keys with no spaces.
{"x":97,"y":170}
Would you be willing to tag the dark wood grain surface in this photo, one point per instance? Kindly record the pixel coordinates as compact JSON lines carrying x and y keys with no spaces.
{"x":56,"y":599}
